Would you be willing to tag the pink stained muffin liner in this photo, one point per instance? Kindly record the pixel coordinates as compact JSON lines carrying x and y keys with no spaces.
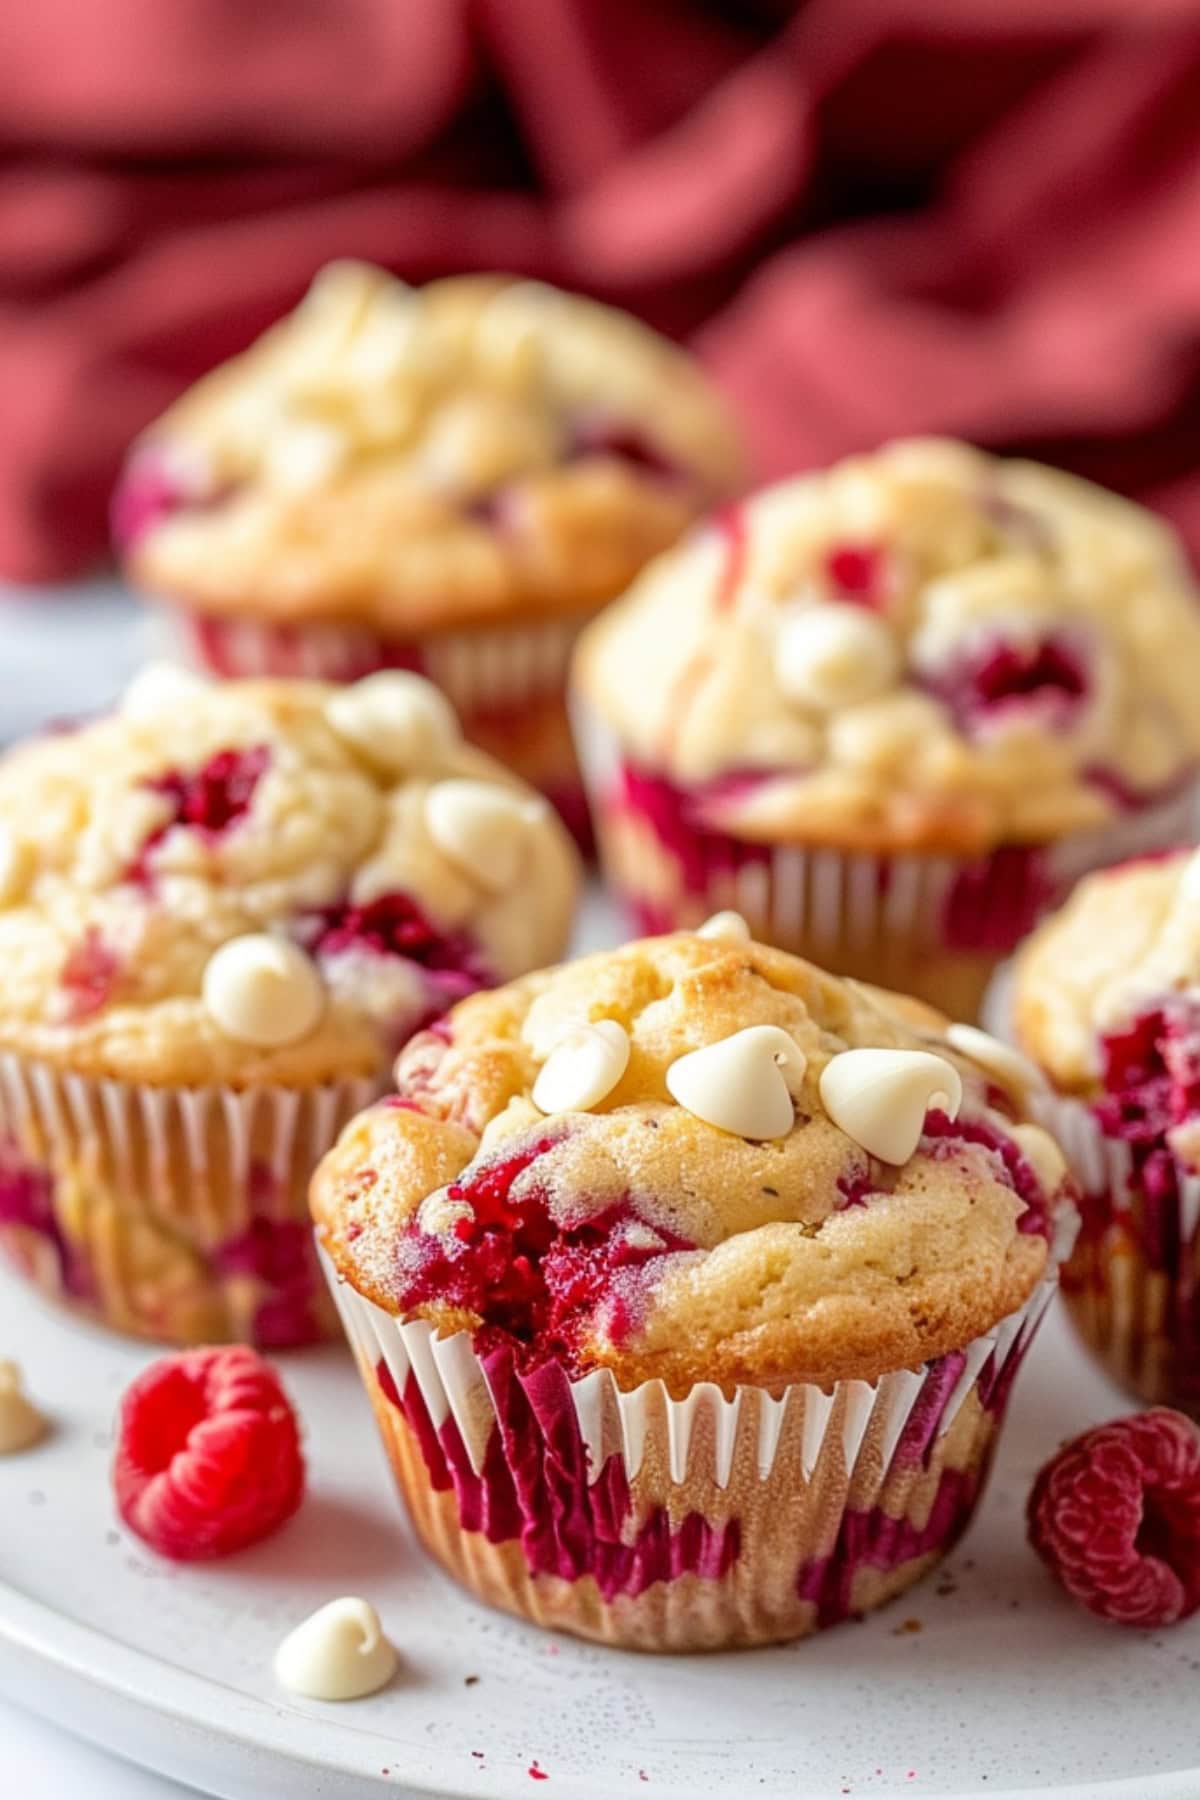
{"x":506,"y":682}
{"x":933,"y":925}
{"x":1132,"y":1283}
{"x":681,"y":1524}
{"x":175,"y":1214}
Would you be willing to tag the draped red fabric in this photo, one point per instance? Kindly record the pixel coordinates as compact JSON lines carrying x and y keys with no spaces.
{"x":869,"y":216}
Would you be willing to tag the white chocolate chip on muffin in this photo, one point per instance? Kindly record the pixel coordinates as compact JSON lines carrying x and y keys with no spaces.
{"x":263,"y":990}
{"x":482,"y":829}
{"x":396,"y":720}
{"x":583,"y":1068}
{"x":744,"y":1084}
{"x":880,"y":1097}
{"x":830,"y":656}
{"x":728,"y":925}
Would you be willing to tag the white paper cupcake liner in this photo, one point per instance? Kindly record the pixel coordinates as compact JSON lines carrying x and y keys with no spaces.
{"x":496,"y":668}
{"x":839,"y":905}
{"x":147,"y":1186}
{"x":1102,"y":1165}
{"x":695,"y":1434}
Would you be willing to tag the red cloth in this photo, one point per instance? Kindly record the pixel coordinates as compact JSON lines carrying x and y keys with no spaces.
{"x":871,"y":216}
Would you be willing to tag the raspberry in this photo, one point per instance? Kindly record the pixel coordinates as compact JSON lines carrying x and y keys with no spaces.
{"x":1116,"y":1517}
{"x":208,"y":1454}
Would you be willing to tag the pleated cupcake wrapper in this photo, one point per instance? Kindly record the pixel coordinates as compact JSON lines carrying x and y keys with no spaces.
{"x":205,"y":1164}
{"x":834,"y":902}
{"x":454,"y":1384}
{"x":1132,"y":1312}
{"x":494,"y":669}
{"x":1102,"y":1165}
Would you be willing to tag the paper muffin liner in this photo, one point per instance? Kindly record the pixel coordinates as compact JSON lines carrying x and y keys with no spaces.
{"x":681,"y":1524}
{"x":177,"y":1214}
{"x":506,"y":682}
{"x":1132,"y":1283}
{"x":931,"y":925}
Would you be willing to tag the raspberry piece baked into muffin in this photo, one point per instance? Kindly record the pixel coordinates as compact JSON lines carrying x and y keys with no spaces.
{"x":1106,"y":998}
{"x":891,"y":710}
{"x":688,"y":1284}
{"x":449,"y":479}
{"x":223,"y":908}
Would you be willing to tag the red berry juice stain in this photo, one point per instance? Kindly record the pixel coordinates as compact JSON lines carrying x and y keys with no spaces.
{"x":857,"y":573}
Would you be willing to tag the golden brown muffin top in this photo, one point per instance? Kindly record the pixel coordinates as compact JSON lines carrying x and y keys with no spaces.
{"x":1126,"y":943}
{"x":417,"y":458}
{"x":926,"y":648}
{"x":263,"y":881}
{"x":841,"y":1192}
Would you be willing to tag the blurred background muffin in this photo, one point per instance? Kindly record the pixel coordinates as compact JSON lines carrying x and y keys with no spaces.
{"x":222,"y":908}
{"x":890,"y":711}
{"x":689,"y":1284}
{"x":449,"y":479}
{"x":1106,"y":1000}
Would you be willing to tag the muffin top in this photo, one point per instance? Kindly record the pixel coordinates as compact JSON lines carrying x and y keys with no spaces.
{"x":419,"y":457}
{"x":263,"y":881}
{"x":927,"y":648}
{"x":700,"y":1159}
{"x":1116,"y":972}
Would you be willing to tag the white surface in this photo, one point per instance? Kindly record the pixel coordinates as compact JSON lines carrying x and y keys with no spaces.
{"x":43,"y":1763}
{"x":1005,"y":1689}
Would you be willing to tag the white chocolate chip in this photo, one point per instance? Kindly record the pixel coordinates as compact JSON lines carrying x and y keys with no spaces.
{"x":1041,"y":1153}
{"x":583,"y":1068}
{"x":396,"y":720}
{"x":725,"y":927}
{"x":995,"y":1057}
{"x":880,"y":1097}
{"x":831,"y":655}
{"x":743,"y":1084}
{"x":21,"y":1424}
{"x":263,"y":990}
{"x":482,"y":828}
{"x":14,"y":867}
{"x":158,"y":689}
{"x":339,"y":1653}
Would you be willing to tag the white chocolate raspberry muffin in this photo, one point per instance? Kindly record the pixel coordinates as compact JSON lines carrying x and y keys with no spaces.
{"x":222,"y":909}
{"x":688,"y":1284}
{"x":450,"y":479}
{"x":892,"y":709}
{"x":1105,"y":997}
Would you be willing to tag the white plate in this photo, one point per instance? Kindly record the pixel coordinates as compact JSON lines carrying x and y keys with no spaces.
{"x":1005,"y":1690}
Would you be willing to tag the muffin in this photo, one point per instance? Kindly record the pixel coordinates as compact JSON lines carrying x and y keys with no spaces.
{"x":1105,"y":998}
{"x":688,"y":1284}
{"x":891,"y":711}
{"x":450,"y":479}
{"x":222,"y":909}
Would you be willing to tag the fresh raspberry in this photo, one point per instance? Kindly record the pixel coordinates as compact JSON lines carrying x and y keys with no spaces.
{"x":1116,"y":1517}
{"x":208,"y":1454}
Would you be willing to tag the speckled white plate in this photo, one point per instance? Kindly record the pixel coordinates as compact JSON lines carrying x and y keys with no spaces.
{"x":981,"y":1682}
